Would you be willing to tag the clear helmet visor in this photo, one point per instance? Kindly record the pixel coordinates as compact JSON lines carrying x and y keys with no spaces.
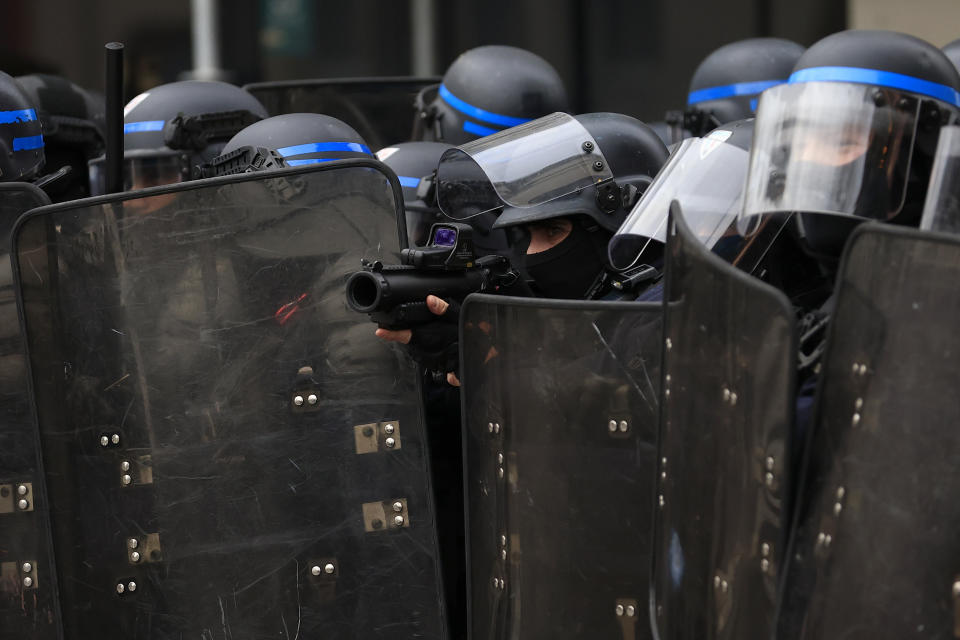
{"x":139,"y":172}
{"x":830,"y":147}
{"x":706,"y":176}
{"x":524,"y":166}
{"x":941,"y":211}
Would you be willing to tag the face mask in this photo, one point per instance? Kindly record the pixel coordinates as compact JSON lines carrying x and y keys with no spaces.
{"x":567,"y":270}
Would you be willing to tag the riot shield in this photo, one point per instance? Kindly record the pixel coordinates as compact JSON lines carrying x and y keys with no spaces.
{"x":229,"y":451}
{"x":875,"y":552}
{"x":380,"y":109}
{"x":27,"y":602}
{"x":559,"y":405}
{"x":728,"y":386}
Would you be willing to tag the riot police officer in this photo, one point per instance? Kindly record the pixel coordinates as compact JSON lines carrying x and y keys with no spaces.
{"x":727,"y":84}
{"x":486,"y":90}
{"x":72,"y":121}
{"x":172,"y":129}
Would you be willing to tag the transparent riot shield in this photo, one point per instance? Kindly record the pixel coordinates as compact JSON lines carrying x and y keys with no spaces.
{"x":875,"y":552}
{"x":728,"y":389}
{"x":27,"y":593}
{"x":559,"y":405}
{"x":229,"y":451}
{"x":380,"y":109}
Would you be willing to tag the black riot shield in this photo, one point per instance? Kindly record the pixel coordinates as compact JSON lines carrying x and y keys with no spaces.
{"x":380,"y":109}
{"x":228,"y":449}
{"x":27,"y":602}
{"x":559,"y":405}
{"x":728,"y":386}
{"x":875,"y":552}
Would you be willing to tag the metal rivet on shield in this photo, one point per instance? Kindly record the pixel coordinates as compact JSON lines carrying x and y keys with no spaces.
{"x":104,"y":441}
{"x":503,"y":554}
{"x":663,"y":462}
{"x":770,"y":462}
{"x":398,"y":506}
{"x":631,"y":610}
{"x":312,"y":399}
{"x":500,"y":458}
{"x":612,"y":425}
{"x":23,"y":504}
{"x":863,"y":369}
{"x":120,"y":587}
{"x":125,"y":479}
{"x":827,"y":540}
{"x":490,"y":427}
{"x":666,"y":392}
{"x":716,"y":582}
{"x":125,"y":466}
{"x":620,"y":610}
{"x":837,"y":508}
{"x":132,"y":543}
{"x":329,"y":568}
{"x":840,"y":493}
{"x":764,"y":565}
{"x":398,"y":521}
{"x":661,"y":500}
{"x":669,"y":344}
{"x":496,"y":427}
{"x":298,"y":400}
{"x":724,"y":586}
{"x":389,"y":429}
{"x":765,"y":549}
{"x":726,"y":394}
{"x":663,"y":475}
{"x":315,"y":570}
{"x":131,"y":586}
{"x":28,"y":582}
{"x":768,"y":478}
{"x":956,"y":589}
{"x":856,"y":368}
{"x":115,"y":438}
{"x":390,"y":442}
{"x":587,"y":146}
{"x":855,"y":420}
{"x":496,"y":583}
{"x":733,"y":398}
{"x":668,"y":378}
{"x":624,"y":426}
{"x":135,"y":556}
{"x":598,"y":165}
{"x":858,"y":404}
{"x":500,"y":473}
{"x":27,"y":567}
{"x":21,"y":490}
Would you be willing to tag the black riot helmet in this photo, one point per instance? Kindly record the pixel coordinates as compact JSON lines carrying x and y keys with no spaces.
{"x":589,"y":169}
{"x":172,"y":129}
{"x":72,"y":122}
{"x":851,"y":136}
{"x":21,"y":141}
{"x":290,"y":140}
{"x":727,"y":84}
{"x":952,"y":51}
{"x":486,"y":90}
{"x":415,"y":164}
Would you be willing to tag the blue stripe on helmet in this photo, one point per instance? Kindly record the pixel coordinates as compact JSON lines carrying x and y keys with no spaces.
{"x":27,"y":143}
{"x":479,"y":130}
{"x":298,"y":163}
{"x":731,"y":90}
{"x":878,"y":78}
{"x":407,"y":181}
{"x":143,"y":125}
{"x":479,"y":114}
{"x":320,"y":147}
{"x":17,"y":115}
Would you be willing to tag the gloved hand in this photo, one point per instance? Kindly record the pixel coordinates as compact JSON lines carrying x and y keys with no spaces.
{"x":433,"y":344}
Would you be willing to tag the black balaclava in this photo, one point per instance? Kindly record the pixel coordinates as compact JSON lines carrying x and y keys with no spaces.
{"x":568,"y":270}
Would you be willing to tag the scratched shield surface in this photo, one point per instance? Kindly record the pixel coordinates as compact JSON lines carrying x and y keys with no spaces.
{"x":875,"y":551}
{"x":560,"y":418}
{"x":724,"y":456}
{"x":27,"y":602}
{"x":229,"y":451}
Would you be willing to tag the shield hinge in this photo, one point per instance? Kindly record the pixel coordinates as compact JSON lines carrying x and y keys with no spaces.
{"x":16,"y":497}
{"x":377,"y":436}
{"x":388,"y":514}
{"x":627,"y":611}
{"x":23,"y":572}
{"x":144,"y":548}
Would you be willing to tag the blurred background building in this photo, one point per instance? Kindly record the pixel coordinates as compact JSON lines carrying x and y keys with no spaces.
{"x":631,"y":56}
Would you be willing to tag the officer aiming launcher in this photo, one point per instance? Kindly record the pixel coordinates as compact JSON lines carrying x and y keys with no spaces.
{"x":394,"y":296}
